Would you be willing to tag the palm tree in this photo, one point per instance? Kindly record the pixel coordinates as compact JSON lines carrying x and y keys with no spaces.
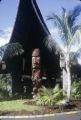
{"x":69,"y":33}
{"x":10,"y":50}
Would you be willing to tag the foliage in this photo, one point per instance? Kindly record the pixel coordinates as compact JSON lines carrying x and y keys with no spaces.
{"x":69,"y":34}
{"x":76,"y":89}
{"x":48,"y":96}
{"x":3,"y":86}
{"x":68,"y":30}
{"x":10,"y":50}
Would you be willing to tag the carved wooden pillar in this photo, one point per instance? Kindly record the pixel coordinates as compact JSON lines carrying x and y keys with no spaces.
{"x":36,"y":71}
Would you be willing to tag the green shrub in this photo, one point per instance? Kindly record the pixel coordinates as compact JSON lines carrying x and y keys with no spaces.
{"x":3,"y":86}
{"x":3,"y":94}
{"x":76,"y":90}
{"x":48,"y":96}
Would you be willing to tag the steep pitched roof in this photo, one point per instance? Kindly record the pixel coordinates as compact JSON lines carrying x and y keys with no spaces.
{"x":29,"y":28}
{"x":31,"y":32}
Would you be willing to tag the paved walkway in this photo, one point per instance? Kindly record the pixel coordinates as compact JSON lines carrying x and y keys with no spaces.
{"x":57,"y":116}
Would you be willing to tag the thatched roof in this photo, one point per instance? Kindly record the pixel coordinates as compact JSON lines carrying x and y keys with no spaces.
{"x":31,"y":32}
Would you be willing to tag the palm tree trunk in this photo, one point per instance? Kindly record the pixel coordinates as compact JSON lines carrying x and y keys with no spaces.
{"x":68,"y":77}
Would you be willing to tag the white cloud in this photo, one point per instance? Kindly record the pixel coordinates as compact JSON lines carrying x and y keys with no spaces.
{"x":5,"y":37}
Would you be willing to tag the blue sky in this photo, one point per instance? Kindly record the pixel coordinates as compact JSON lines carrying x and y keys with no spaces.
{"x":8,"y":11}
{"x":47,"y":7}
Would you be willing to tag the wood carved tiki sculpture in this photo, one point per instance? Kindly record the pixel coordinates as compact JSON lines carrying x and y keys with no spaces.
{"x":36,"y":70}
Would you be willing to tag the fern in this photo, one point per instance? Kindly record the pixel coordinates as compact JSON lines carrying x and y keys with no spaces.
{"x":49,"y":96}
{"x":76,"y":90}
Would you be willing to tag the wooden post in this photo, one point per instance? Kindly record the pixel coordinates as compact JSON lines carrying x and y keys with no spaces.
{"x":36,"y":71}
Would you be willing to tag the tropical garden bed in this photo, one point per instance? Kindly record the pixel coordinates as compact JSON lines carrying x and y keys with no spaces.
{"x":28,"y":107}
{"x":47,"y":101}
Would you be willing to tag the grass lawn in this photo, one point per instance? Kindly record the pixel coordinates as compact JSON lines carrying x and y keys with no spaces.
{"x":17,"y":105}
{"x":27,"y":107}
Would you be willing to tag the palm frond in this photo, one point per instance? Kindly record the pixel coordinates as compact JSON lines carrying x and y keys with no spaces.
{"x":56,"y":20}
{"x":68,"y":31}
{"x":52,"y":45}
{"x":75,"y":28}
{"x":60,"y":23}
{"x":63,"y":12}
{"x":77,"y":38}
{"x":72,"y":15}
{"x":10,"y":50}
{"x":2,"y":50}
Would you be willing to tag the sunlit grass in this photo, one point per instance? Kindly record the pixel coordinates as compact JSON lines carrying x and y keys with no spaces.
{"x":17,"y":105}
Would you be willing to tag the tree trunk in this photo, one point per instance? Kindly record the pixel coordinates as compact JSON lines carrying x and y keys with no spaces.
{"x":65,"y":81}
{"x":68,"y":77}
{"x":69,"y":82}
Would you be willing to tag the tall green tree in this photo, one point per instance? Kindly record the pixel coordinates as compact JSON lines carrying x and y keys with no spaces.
{"x":69,"y":33}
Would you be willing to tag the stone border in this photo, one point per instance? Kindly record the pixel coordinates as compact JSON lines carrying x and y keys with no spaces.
{"x":43,"y":116}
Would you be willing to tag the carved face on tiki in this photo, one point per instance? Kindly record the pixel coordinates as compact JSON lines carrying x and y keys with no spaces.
{"x":36,"y":58}
{"x":35,"y":62}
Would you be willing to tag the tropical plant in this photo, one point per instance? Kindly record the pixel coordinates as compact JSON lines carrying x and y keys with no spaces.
{"x":76,"y":90}
{"x":10,"y":50}
{"x":69,"y":33}
{"x":48,"y":96}
{"x":3,"y":86}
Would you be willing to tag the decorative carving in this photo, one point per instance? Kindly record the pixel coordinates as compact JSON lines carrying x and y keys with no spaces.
{"x":35,"y":62}
{"x":36,"y":71}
